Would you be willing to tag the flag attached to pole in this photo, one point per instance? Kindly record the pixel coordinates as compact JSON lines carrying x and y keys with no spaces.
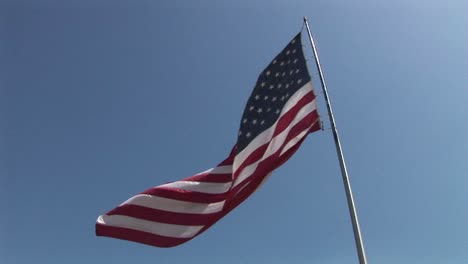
{"x":279,"y":114}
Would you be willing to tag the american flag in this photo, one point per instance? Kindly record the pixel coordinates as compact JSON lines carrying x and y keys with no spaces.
{"x":279,"y":114}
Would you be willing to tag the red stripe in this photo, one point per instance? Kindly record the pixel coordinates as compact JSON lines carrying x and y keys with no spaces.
{"x":317,"y":125}
{"x":161,"y":216}
{"x":298,"y":128}
{"x":264,"y":168}
{"x":283,"y":123}
{"x":257,"y":177}
{"x":301,"y":126}
{"x":138,"y":236}
{"x":211,"y":177}
{"x":253,"y":157}
{"x":185,"y":195}
{"x":286,"y":155}
{"x":286,"y":119}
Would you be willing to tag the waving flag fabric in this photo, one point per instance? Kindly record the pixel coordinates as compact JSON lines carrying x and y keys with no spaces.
{"x":279,"y":114}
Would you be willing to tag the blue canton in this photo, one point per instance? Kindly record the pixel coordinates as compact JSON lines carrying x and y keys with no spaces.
{"x":286,"y":74}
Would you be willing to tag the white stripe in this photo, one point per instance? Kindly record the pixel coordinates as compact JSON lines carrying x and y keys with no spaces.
{"x":203,"y":187}
{"x":247,"y":183}
{"x":218,"y":170}
{"x":275,"y":143}
{"x":266,"y":135}
{"x":175,"y":206}
{"x":278,"y":141}
{"x":296,"y":139}
{"x":246,"y":172}
{"x":168,"y":230}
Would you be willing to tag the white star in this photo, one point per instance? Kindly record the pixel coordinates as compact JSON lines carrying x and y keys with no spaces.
{"x":279,"y":85}
{"x":283,"y":74}
{"x":297,"y":70}
{"x":277,"y":74}
{"x":289,"y":61}
{"x":277,"y":111}
{"x":294,"y":51}
{"x":274,"y":62}
{"x":293,"y":41}
{"x":244,"y":121}
{"x":271,"y":86}
{"x":290,"y":72}
{"x":269,"y":109}
{"x":299,"y":81}
{"x":287,"y":52}
{"x":282,"y":63}
{"x":273,"y":99}
{"x":254,"y":121}
{"x":265,"y":98}
{"x":287,"y":85}
{"x":248,"y":134}
{"x":259,"y":110}
{"x":263,"y":84}
{"x":257,"y":97}
{"x":295,"y":60}
{"x":287,"y":95}
{"x":263,"y":122}
{"x":240,"y":133}
{"x":282,"y":98}
{"x":251,"y":108}
{"x":268,"y":73}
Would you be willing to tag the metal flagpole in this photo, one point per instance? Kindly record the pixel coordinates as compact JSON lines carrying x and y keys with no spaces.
{"x":339,"y":152}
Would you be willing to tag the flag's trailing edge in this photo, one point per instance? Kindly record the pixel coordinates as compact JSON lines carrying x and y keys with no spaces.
{"x":279,"y":114}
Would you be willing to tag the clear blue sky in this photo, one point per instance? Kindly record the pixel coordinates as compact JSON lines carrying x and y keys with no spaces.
{"x":100,"y":100}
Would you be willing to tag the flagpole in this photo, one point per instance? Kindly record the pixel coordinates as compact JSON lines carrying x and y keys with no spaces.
{"x":339,"y":152}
